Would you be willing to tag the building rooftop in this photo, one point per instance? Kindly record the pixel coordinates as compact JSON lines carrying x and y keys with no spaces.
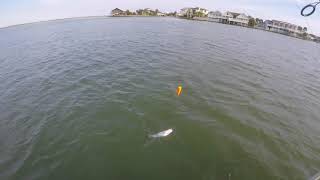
{"x":116,"y":9}
{"x":234,"y":14}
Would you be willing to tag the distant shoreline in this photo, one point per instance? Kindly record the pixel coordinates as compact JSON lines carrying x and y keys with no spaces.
{"x":259,"y":29}
{"x":207,"y":20}
{"x":137,"y":16}
{"x":141,"y":16}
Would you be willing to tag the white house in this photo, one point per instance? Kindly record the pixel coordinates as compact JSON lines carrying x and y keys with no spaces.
{"x":217,"y":16}
{"x":184,"y":12}
{"x":241,"y":19}
{"x":230,"y":14}
{"x":201,"y":10}
{"x":229,"y":17}
{"x":161,"y":14}
{"x":312,"y":37}
{"x":284,"y":27}
{"x":117,"y":12}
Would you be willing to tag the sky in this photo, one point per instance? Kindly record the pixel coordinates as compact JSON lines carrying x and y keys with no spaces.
{"x":14,"y":12}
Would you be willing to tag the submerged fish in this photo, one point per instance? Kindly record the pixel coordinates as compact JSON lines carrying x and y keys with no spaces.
{"x":162,"y":134}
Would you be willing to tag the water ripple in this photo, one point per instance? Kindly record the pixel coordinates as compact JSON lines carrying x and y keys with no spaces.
{"x":79,"y":97}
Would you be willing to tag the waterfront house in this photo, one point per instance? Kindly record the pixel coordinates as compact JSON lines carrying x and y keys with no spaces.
{"x":284,"y":28}
{"x":187,"y":12}
{"x":238,"y":19}
{"x":228,"y":15}
{"x":312,"y":37}
{"x":117,"y":12}
{"x":217,"y":16}
{"x":183,"y":12}
{"x":268,"y":24}
{"x":161,"y":14}
{"x":305,"y":29}
{"x":200,"y":12}
{"x":232,"y":14}
{"x":193,"y":12}
{"x":172,"y":14}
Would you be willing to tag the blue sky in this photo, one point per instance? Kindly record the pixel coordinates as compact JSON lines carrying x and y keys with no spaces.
{"x":23,"y":11}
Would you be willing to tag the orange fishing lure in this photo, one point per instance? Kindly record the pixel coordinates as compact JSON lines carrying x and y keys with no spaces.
{"x":179,"y":90}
